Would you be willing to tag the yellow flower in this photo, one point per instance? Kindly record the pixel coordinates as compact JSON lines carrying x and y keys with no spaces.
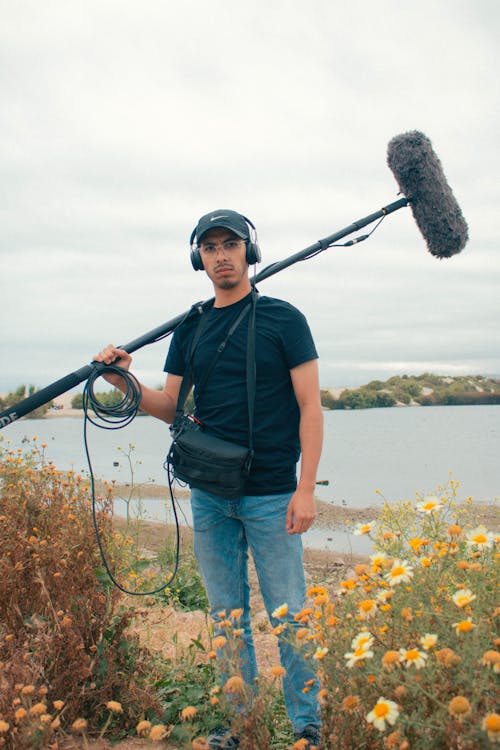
{"x":454,"y":530}
{"x":480,"y":538}
{"x":281,"y":611}
{"x":363,"y":528}
{"x":320,"y":653}
{"x":188,"y":713}
{"x":416,"y":543}
{"x":4,"y":727}
{"x":459,"y":707}
{"x":378,"y":559}
{"x":143,"y":728}
{"x":384,"y":711}
{"x":358,"y":655}
{"x":464,"y":626}
{"x":463,"y":597}
{"x":429,"y":504}
{"x":28,"y":690}
{"x":159,"y":733}
{"x":492,"y":659}
{"x":114,"y":706}
{"x":316,"y":591}
{"x":401,"y":572}
{"x":236,"y":614}
{"x":367,"y":608}
{"x":491,"y":724}
{"x":58,"y":705}
{"x":428,"y":641}
{"x":362,"y":640}
{"x":413,"y":657}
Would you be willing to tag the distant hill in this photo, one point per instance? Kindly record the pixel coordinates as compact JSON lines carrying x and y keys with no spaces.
{"x":415,"y":390}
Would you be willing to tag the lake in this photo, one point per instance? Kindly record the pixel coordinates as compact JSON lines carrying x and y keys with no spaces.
{"x":400,"y":451}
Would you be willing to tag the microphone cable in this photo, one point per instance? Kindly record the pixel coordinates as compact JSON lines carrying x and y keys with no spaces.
{"x":114,"y":417}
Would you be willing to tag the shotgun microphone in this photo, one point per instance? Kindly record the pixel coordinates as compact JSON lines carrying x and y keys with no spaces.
{"x":420,"y":177}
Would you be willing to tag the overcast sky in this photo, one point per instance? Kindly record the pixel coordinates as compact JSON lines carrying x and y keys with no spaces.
{"x":121,"y":122}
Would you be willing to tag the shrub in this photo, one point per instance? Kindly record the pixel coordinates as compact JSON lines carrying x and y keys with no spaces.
{"x":63,"y":651}
{"x":408,"y":647}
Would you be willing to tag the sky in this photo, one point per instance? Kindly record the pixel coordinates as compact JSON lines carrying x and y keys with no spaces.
{"x":122,"y":122}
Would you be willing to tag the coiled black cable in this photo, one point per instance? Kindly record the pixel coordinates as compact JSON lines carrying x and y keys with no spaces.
{"x":113,"y":417}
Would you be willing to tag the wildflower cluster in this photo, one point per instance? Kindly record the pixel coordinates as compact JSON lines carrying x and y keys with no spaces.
{"x":408,"y":646}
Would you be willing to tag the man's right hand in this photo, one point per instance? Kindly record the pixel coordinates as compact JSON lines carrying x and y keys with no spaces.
{"x":110,"y":355}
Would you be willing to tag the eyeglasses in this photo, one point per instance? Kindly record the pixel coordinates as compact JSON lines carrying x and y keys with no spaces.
{"x":211,"y":248}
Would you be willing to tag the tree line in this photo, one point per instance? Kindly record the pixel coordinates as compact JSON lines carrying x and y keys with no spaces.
{"x":422,"y":390}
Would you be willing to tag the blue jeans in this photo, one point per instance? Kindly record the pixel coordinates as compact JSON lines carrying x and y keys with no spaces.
{"x":224,"y":530}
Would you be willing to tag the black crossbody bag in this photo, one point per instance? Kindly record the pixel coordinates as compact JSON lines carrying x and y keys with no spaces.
{"x":198,"y":458}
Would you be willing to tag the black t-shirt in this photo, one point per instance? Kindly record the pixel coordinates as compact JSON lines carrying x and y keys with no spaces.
{"x":282,"y":341}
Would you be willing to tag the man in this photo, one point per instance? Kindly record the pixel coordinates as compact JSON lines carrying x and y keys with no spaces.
{"x":274,"y":510}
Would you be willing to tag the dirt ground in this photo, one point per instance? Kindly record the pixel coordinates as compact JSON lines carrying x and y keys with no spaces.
{"x":157,"y":625}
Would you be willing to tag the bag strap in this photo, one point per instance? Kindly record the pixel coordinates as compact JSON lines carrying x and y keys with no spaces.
{"x":251,"y":367}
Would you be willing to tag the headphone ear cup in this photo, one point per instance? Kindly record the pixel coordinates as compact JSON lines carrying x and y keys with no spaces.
{"x":253,"y":254}
{"x":196,"y":260}
{"x":195,"y":256}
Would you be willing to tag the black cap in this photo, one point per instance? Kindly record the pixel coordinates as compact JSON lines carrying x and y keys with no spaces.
{"x":223,"y":218}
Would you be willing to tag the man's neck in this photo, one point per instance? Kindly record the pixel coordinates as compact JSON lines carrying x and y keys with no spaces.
{"x":226,"y":297}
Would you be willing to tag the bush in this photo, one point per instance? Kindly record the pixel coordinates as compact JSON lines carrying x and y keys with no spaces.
{"x":63,"y":652}
{"x":408,"y":648}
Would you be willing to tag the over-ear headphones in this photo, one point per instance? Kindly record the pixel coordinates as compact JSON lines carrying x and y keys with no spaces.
{"x":233,"y":221}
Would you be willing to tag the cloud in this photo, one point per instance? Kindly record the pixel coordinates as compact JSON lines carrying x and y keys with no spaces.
{"x":123,"y":124}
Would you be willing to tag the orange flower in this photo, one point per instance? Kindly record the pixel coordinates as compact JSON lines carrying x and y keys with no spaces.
{"x":143,"y":728}
{"x":278,"y":671}
{"x":38,"y":709}
{"x":492,"y":659}
{"x":219,"y":641}
{"x":491,"y":724}
{"x":234,"y":685}
{"x":159,"y":733}
{"x":350,"y":703}
{"x":390,"y":659}
{"x":464,"y":626}
{"x":20,"y":714}
{"x":200,"y":743}
{"x":459,"y":707}
{"x":79,"y":726}
{"x":188,"y":713}
{"x":447,"y":657}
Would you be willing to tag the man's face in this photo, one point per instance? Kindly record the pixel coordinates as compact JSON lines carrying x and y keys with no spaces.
{"x":223,"y":255}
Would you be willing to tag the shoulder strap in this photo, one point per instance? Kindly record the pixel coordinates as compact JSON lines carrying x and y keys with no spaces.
{"x":199,"y":330}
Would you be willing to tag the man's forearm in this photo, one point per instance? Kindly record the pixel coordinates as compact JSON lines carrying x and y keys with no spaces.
{"x":311,"y":443}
